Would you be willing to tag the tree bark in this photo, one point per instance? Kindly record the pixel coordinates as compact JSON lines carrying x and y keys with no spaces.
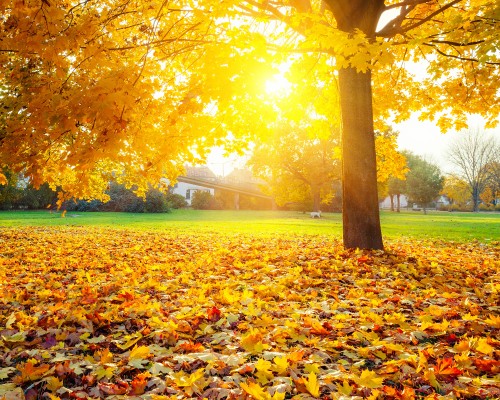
{"x":316,"y":193}
{"x":360,"y":214}
{"x":391,"y":196}
{"x":398,"y":196}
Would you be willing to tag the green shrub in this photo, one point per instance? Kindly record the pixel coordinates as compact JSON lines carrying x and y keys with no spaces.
{"x":156,"y":202}
{"x":176,"y":201}
{"x":203,"y":200}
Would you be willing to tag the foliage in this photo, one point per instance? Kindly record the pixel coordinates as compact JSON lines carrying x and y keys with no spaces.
{"x":96,"y":90}
{"x":203,"y":200}
{"x":122,"y":199}
{"x":18,"y":192}
{"x":456,"y":190}
{"x":176,"y":201}
{"x":298,"y":163}
{"x":472,"y":155}
{"x":424,"y":181}
{"x":205,"y":315}
{"x":156,"y":202}
{"x":9,"y":192}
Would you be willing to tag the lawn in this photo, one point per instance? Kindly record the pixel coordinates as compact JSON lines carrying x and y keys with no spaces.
{"x":461,"y":227}
{"x":247,"y":305}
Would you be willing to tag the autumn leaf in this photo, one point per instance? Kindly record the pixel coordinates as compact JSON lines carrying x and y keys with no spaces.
{"x":258,"y":393}
{"x":30,"y":371}
{"x":369,"y":379}
{"x":252,"y":341}
{"x":483,"y":346}
{"x":312,"y":385}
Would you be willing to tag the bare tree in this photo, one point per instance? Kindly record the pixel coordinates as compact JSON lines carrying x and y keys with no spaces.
{"x":471,"y":154}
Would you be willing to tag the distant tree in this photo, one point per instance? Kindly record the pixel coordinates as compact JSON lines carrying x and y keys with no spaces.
{"x":456,"y":190}
{"x":9,"y":192}
{"x":298,"y":165}
{"x":424,"y":181}
{"x":396,"y":187}
{"x":471,"y":155}
{"x":493,"y":180}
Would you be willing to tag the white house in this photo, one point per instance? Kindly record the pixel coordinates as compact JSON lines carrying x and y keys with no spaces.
{"x":187,"y":190}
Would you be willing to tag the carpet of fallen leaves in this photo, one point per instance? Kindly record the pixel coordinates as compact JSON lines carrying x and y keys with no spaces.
{"x":95,"y":313}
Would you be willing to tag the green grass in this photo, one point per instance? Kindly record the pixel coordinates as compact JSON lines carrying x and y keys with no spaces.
{"x":461,"y":227}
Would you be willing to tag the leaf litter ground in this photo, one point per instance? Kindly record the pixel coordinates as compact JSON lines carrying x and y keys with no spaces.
{"x":100,"y":313}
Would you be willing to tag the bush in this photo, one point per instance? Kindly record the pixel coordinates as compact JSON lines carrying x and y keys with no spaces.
{"x":486,"y":207}
{"x":176,"y":201}
{"x":203,"y":200}
{"x":83,"y":205}
{"x":156,"y":202}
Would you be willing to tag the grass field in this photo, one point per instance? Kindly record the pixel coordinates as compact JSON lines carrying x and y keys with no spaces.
{"x":461,"y":227}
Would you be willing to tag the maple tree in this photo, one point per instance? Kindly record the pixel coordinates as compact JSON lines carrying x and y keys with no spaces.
{"x":456,"y":41}
{"x":456,"y":190}
{"x":213,"y":315}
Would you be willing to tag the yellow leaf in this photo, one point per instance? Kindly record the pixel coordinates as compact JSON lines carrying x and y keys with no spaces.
{"x":483,"y":346}
{"x":53,"y":383}
{"x":258,"y":393}
{"x":280,"y":365}
{"x":369,"y":379}
{"x":184,"y":380}
{"x":312,"y":385}
{"x":493,"y":320}
{"x":345,"y":388}
{"x":139,"y":353}
{"x":252,"y":342}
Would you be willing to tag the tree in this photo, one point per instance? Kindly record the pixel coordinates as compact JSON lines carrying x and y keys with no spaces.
{"x":396,"y":187}
{"x":391,"y":166}
{"x":493,"y":181}
{"x":92,"y":90}
{"x":297,"y":165}
{"x":455,"y":37}
{"x":456,"y":190}
{"x":471,"y":155}
{"x":424,"y":181}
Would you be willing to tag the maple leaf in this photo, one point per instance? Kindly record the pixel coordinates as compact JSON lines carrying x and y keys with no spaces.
{"x":191,"y":383}
{"x":444,"y":368}
{"x":139,"y":383}
{"x":31,"y":372}
{"x":258,"y":393}
{"x":369,"y":379}
{"x":483,"y":346}
{"x":252,"y":341}
{"x":280,"y":365}
{"x":312,"y":385}
{"x":120,"y":387}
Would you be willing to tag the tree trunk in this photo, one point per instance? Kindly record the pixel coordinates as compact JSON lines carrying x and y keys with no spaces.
{"x":398,"y":197}
{"x":475,"y":199}
{"x":316,"y":193}
{"x":360,"y":208}
{"x":391,"y":196}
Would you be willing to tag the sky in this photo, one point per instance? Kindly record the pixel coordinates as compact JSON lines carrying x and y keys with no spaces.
{"x":420,"y":137}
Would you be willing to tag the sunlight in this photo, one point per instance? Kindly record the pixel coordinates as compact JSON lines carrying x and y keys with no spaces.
{"x":278,"y":85}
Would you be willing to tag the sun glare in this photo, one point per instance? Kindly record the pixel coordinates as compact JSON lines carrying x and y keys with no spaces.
{"x":278,"y":85}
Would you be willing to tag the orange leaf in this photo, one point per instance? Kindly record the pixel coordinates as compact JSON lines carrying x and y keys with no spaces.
{"x":30,"y":372}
